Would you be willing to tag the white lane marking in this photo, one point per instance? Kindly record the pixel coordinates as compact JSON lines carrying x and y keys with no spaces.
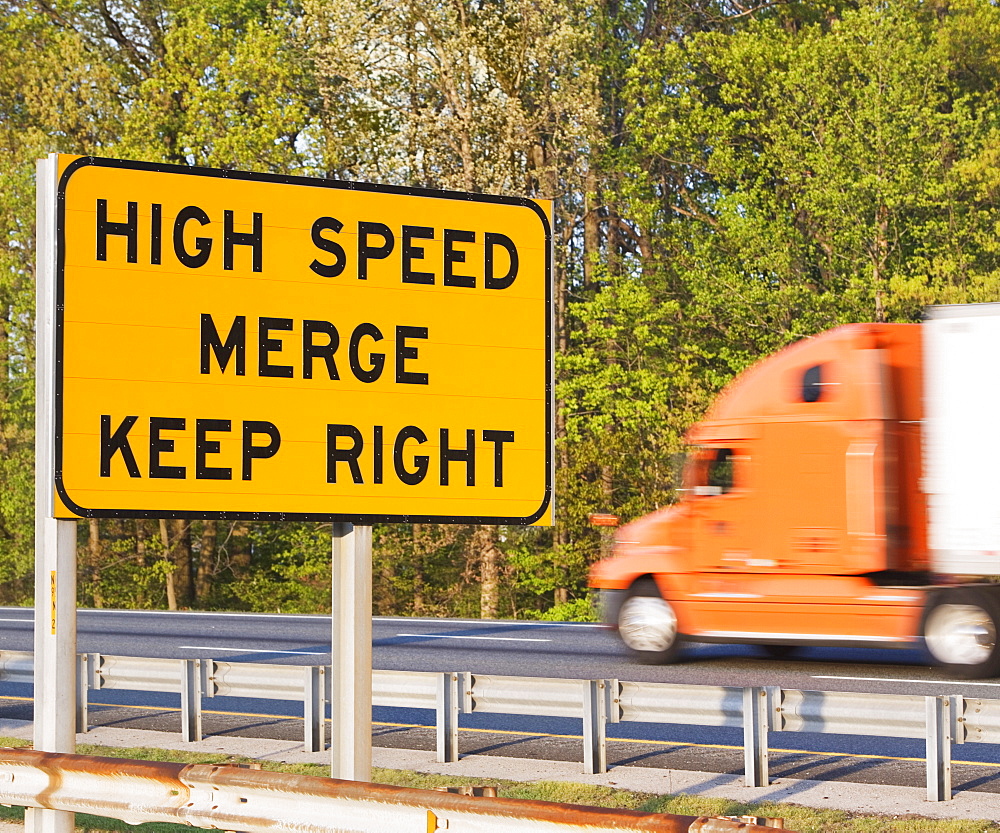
{"x":493,"y":623}
{"x":230,"y":614}
{"x":25,"y":621}
{"x":898,"y":680}
{"x":251,"y":650}
{"x":492,"y":638}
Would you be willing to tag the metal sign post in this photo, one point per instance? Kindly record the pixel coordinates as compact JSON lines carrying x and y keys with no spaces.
{"x":351,"y":666}
{"x":55,"y":540}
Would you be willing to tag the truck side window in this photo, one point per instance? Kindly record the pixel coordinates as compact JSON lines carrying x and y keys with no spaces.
{"x":812,"y":384}
{"x":710,"y":471}
{"x":720,"y":470}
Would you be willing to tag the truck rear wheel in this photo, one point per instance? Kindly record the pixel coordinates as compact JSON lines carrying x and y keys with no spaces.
{"x":647,"y":624}
{"x":960,"y":631}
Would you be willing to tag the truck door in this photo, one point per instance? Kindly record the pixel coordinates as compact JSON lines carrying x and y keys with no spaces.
{"x":830,"y":497}
{"x":720,"y":509}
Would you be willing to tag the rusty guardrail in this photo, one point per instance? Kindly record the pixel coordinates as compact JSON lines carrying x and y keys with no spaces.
{"x":253,"y":801}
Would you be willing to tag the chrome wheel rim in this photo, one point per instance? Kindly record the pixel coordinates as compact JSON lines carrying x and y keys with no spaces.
{"x":647,"y":623}
{"x":960,"y":634}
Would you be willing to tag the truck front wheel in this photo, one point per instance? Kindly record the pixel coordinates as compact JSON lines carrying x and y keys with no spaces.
{"x":648,"y":624}
{"x":960,"y":630}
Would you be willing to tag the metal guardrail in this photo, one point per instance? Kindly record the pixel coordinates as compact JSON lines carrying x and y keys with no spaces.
{"x":851,"y":713}
{"x":231,"y":798}
{"x":17,"y":666}
{"x":940,"y":720}
{"x":980,"y":721}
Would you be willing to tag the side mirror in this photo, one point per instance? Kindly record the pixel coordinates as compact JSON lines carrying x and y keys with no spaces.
{"x":603,"y":519}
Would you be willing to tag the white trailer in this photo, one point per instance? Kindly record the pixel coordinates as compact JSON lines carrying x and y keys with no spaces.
{"x":961,"y":444}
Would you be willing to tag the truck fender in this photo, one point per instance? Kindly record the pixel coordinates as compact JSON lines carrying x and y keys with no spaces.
{"x":613,"y":599}
{"x":633,"y":563}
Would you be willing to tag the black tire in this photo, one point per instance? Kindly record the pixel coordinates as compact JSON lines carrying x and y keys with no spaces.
{"x":779,"y":651}
{"x":647,"y":624}
{"x":960,"y":629}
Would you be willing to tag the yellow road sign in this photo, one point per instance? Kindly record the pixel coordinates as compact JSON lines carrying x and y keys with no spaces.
{"x":247,"y":345}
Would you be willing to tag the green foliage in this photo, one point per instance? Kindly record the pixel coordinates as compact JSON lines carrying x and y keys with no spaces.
{"x":223,"y":65}
{"x":421,"y":570}
{"x":577,"y":610}
{"x":724,"y":183}
{"x":291,"y":573}
{"x":125,"y":582}
{"x":54,"y":99}
{"x":630,"y":389}
{"x":822,"y":170}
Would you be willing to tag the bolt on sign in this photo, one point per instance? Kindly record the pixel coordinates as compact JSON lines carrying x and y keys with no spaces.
{"x":240,"y":345}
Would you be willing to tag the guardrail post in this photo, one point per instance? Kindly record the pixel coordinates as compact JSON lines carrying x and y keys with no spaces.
{"x":755,"y":723}
{"x":191,"y":689}
{"x":88,"y":677}
{"x":466,"y":686}
{"x":82,"y":686}
{"x":939,"y":721}
{"x":612,"y":698}
{"x":775,"y":717}
{"x":314,"y":708}
{"x":959,"y":730}
{"x":209,"y":686}
{"x":446,"y":721}
{"x":595,"y":717}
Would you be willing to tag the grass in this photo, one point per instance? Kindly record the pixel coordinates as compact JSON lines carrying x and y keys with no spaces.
{"x":801,"y":819}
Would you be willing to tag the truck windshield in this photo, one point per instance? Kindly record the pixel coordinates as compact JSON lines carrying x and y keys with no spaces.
{"x":709,"y":471}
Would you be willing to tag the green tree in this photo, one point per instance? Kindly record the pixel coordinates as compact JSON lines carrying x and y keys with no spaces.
{"x":219,"y":82}
{"x":823,"y":171}
{"x":224,"y":84}
{"x":497,"y":97}
{"x":726,"y":179}
{"x":776,"y":173}
{"x":56,"y":99}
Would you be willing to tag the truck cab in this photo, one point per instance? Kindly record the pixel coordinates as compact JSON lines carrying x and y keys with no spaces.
{"x":801,"y":519}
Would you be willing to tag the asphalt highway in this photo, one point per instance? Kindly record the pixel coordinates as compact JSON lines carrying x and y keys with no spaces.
{"x":539,"y":649}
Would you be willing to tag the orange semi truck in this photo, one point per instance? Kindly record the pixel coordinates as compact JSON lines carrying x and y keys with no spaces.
{"x":844,"y":491}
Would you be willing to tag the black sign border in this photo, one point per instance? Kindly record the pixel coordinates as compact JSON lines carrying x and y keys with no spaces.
{"x":341,"y":185}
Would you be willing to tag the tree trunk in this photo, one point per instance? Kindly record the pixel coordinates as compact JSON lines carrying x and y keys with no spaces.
{"x":613,"y":252}
{"x":171,"y":587}
{"x":418,"y":570}
{"x":140,"y":541}
{"x":171,"y":592}
{"x":239,"y":547}
{"x":384,"y":589}
{"x":141,"y":599}
{"x":591,"y":229}
{"x":484,"y":544}
{"x":180,"y":534}
{"x":206,"y":560}
{"x":548,"y":181}
{"x":607,"y":487}
{"x":879,"y":257}
{"x":94,"y":559}
{"x":4,"y":357}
